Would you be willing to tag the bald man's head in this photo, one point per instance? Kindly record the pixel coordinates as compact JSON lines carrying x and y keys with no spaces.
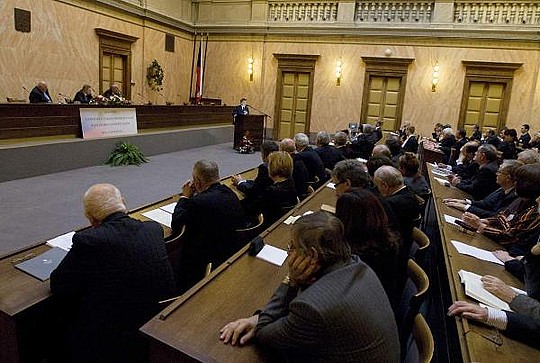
{"x":287,"y":145}
{"x":102,"y":200}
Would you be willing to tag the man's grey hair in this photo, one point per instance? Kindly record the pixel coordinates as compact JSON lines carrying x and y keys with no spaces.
{"x":301,"y":140}
{"x":352,"y":170}
{"x":390,"y":175}
{"x":448,"y":131}
{"x":206,"y":171}
{"x":323,"y":138}
{"x":340,"y":138}
{"x":325,"y":233}
{"x":368,"y":128}
{"x":529,"y":156}
{"x":102,"y":200}
{"x":287,"y":145}
{"x":489,"y":151}
{"x":383,"y":150}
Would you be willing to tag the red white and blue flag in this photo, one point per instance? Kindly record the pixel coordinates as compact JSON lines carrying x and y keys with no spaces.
{"x":199,"y":84}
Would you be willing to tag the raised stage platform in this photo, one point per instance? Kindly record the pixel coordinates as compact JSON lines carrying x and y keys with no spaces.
{"x":32,"y":157}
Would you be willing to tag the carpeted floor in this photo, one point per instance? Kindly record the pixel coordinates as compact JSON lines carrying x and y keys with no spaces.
{"x":39,"y":208}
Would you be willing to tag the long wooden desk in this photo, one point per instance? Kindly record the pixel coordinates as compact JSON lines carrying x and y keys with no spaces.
{"x":25,"y":307}
{"x":478,"y":342}
{"x":187,"y":330}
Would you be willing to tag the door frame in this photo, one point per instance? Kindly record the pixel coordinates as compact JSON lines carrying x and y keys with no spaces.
{"x":293,"y":63}
{"x":119,"y":45}
{"x":385,"y":67}
{"x":488,"y":72}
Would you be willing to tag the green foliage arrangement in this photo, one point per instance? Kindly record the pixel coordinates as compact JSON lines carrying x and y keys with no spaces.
{"x":126,"y":154}
{"x":155,"y":75}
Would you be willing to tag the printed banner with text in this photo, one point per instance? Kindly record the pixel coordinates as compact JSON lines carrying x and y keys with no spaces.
{"x":108,"y":122}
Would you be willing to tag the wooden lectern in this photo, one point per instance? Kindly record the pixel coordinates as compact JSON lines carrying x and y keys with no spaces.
{"x":252,"y":123}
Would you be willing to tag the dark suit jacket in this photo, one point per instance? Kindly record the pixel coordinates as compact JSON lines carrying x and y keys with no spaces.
{"x":300,"y":176}
{"x":277,"y":197}
{"x":36,"y":96}
{"x":524,"y":140}
{"x":494,"y":202}
{"x":483,"y":183}
{"x":254,"y":188}
{"x":238,"y":111}
{"x":411,"y":145}
{"x":82,"y":97}
{"x":446,"y":146}
{"x":329,"y":156}
{"x":348,"y":151}
{"x":314,"y":164}
{"x":508,"y":150}
{"x":210,"y":217}
{"x":113,"y":277}
{"x":342,"y":317}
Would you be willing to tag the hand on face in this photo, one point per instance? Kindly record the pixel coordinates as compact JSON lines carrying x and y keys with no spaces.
{"x":188,"y":189}
{"x":302,"y":268}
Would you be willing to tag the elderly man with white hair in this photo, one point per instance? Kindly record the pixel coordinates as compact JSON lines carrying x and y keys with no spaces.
{"x":40,"y":93}
{"x":111,"y":280}
{"x":328,"y":153}
{"x":311,"y":159}
{"x":447,"y":143}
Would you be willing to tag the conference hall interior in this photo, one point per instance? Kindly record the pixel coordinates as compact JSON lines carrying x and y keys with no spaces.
{"x":221,"y":96}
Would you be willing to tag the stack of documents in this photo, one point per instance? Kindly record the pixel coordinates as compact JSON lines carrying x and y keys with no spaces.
{"x":475,"y":289}
{"x":160,"y":216}
{"x":476,"y":252}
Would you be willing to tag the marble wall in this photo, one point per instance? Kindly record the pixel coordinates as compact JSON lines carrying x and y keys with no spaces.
{"x":63,"y":50}
{"x":335,"y":106}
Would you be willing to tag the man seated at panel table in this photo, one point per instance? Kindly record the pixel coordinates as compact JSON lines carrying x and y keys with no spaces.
{"x":111,"y":281}
{"x":330,"y":308}
{"x":496,"y":201}
{"x":40,"y":93}
{"x":511,"y":228}
{"x":485,"y":179}
{"x":523,"y":323}
{"x":83,"y":96}
{"x":114,"y":90}
{"x":211,"y":213}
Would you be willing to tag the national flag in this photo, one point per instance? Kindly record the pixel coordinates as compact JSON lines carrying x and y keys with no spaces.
{"x":199,"y":84}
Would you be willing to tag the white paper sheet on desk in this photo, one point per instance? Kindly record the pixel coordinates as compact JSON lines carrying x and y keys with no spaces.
{"x":451,"y":220}
{"x":442,"y":181}
{"x":64,"y":241}
{"x":476,"y":252}
{"x":273,"y":255}
{"x":331,"y":185}
{"x":328,"y":208}
{"x":169,"y":208}
{"x":475,"y":289}
{"x":159,"y":216}
{"x":292,"y":219}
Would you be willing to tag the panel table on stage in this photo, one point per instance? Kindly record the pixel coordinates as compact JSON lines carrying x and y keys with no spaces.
{"x":187,"y":330}
{"x":478,"y":342}
{"x":25,"y":307}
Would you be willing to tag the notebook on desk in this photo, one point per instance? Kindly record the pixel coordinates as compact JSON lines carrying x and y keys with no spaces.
{"x":41,"y":266}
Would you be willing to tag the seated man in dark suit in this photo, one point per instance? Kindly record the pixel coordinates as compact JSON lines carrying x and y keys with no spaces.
{"x":40,"y":93}
{"x":211,"y":213}
{"x":114,"y":90}
{"x":331,"y":307}
{"x":525,"y":137}
{"x":300,"y":173}
{"x":312,"y":160}
{"x":485,"y":180}
{"x":341,"y":141}
{"x":328,"y":153}
{"x":111,"y":281}
{"x":403,"y":203}
{"x":84,"y":96}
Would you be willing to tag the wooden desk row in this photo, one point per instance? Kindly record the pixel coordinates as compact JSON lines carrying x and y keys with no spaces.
{"x":187,"y":330}
{"x":478,"y":342}
{"x":24,"y":300}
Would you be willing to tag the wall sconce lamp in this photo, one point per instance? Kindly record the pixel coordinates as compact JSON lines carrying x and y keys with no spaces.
{"x":339,"y":72}
{"x":435,"y":77}
{"x":250,"y":68}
